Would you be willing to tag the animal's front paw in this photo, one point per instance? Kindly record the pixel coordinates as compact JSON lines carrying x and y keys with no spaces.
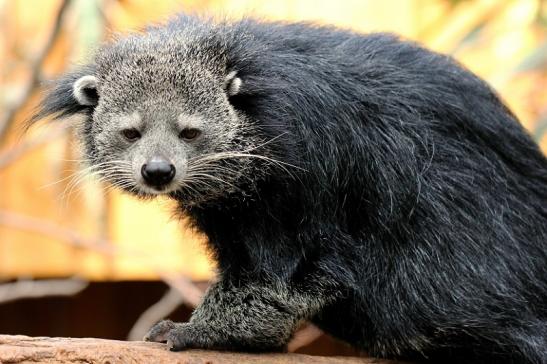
{"x":178,"y":336}
{"x":158,"y":332}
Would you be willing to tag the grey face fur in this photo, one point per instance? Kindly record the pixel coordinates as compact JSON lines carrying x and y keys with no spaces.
{"x":160,"y":99}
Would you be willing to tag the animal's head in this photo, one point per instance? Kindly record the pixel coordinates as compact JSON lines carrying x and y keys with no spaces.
{"x":159,"y":117}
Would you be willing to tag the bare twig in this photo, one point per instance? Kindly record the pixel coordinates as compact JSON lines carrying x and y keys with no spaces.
{"x":44,"y":227}
{"x":159,"y":310}
{"x":304,"y":337}
{"x":192,"y":296}
{"x":190,"y":293}
{"x":35,"y":289}
{"x":13,"y":153}
{"x":36,"y":72}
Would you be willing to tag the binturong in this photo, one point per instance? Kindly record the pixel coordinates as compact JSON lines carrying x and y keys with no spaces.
{"x":360,"y":182}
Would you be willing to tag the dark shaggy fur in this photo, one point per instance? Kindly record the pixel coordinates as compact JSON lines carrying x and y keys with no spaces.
{"x":414,"y":224}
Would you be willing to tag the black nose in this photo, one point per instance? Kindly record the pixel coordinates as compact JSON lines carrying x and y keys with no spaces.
{"x":158,"y":172}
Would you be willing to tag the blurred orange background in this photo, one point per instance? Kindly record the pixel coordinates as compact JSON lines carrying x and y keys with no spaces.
{"x":51,"y":226}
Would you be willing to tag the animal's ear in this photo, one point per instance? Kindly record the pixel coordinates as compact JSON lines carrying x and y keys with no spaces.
{"x":85,"y":90}
{"x":232,"y":83}
{"x":73,"y":93}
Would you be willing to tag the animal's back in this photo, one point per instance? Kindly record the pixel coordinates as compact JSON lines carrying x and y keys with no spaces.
{"x":435,"y":187}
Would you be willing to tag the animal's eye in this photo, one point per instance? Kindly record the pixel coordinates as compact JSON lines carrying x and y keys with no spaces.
{"x":190,"y":133}
{"x":131,"y":134}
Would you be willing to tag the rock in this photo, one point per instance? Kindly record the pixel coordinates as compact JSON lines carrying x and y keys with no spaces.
{"x":24,"y":349}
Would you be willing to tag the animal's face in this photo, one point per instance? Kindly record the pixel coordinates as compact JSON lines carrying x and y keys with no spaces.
{"x":162,"y":127}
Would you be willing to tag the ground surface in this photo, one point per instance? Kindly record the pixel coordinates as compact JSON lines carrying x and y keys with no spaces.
{"x":24,"y":349}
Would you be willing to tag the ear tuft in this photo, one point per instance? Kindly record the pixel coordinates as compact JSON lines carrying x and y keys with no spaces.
{"x":85,"y":90}
{"x":232,"y":84}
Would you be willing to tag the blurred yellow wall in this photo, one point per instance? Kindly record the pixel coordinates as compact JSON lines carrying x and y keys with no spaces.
{"x":501,"y":40}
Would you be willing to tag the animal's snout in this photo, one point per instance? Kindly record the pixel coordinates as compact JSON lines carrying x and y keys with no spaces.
{"x":158,"y":171}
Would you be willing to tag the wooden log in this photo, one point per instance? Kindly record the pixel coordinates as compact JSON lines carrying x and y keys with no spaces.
{"x":24,"y":349}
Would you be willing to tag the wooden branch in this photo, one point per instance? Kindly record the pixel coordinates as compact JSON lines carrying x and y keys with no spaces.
{"x":12,"y":154}
{"x":40,"y":226}
{"x":190,"y":293}
{"x":24,"y":349}
{"x":158,"y":311}
{"x":304,"y":336}
{"x":35,"y":73}
{"x":35,"y":289}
